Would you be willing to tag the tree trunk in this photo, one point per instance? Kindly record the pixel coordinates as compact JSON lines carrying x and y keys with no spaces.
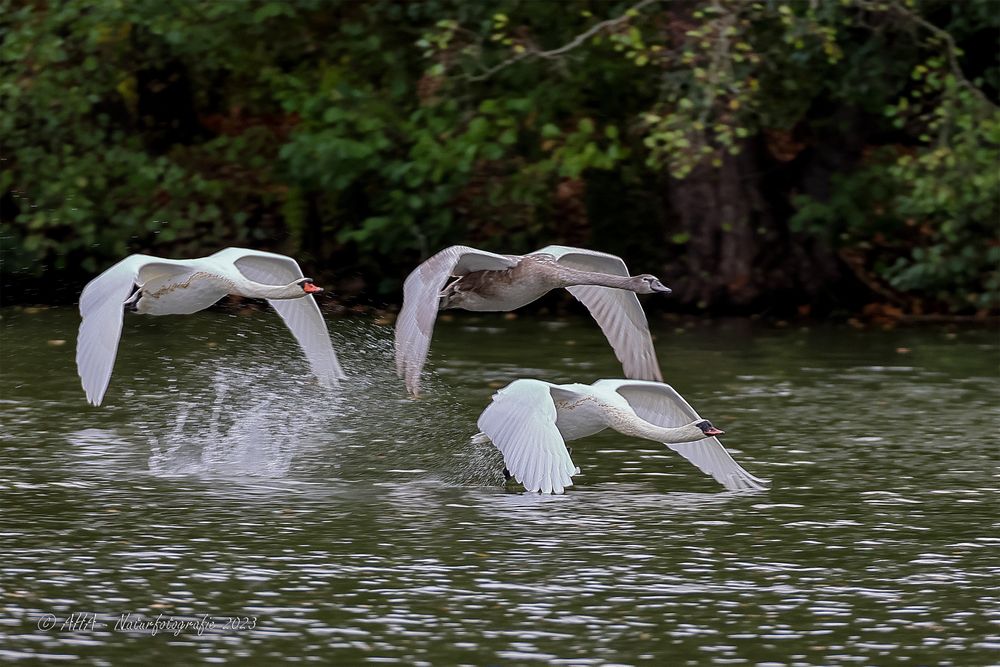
{"x":741,"y":256}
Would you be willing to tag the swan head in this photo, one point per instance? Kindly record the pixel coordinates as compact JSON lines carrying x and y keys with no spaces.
{"x":693,"y":432}
{"x":707,"y":428}
{"x":649,"y":284}
{"x":308,"y":286}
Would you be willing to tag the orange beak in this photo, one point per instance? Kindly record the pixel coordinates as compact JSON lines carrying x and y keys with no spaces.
{"x":309,"y":288}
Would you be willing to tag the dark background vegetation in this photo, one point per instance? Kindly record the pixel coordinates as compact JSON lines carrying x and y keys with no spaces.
{"x":813,"y":157}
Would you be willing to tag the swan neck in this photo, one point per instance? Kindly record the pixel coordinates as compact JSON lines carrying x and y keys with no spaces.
{"x":277,"y":292}
{"x":643,"y":429}
{"x":575,"y":277}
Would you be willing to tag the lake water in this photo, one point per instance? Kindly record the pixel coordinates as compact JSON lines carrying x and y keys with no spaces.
{"x":353,"y":527}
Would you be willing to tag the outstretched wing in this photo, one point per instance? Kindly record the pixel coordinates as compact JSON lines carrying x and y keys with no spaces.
{"x":617,"y":311}
{"x":521,"y":422}
{"x":102,"y":309}
{"x":659,"y":404}
{"x":421,"y":290}
{"x":302,"y":316}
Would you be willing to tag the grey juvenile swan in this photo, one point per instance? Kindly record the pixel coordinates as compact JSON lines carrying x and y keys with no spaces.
{"x":530,"y":421}
{"x":485,"y":281}
{"x":156,"y":286}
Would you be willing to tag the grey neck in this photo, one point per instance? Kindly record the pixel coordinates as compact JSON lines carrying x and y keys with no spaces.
{"x":569,"y":277}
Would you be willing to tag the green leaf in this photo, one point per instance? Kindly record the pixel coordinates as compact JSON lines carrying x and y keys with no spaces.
{"x":550,"y":131}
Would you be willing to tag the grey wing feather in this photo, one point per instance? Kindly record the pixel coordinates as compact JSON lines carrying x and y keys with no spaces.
{"x":618,"y":312}
{"x":660,"y":404}
{"x":421,"y":290}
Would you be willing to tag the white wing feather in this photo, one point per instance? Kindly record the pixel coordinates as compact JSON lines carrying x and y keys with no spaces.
{"x":618,"y":312}
{"x":302,"y":316}
{"x":102,"y":309}
{"x":660,"y":404}
{"x":421,"y":291}
{"x":521,"y":422}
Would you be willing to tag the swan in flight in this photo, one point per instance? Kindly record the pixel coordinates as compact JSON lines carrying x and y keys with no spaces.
{"x":154,"y":286}
{"x":485,"y":281}
{"x":529,"y":421}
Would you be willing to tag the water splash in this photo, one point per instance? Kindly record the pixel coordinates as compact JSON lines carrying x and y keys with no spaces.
{"x":242,"y":431}
{"x":256,"y":411}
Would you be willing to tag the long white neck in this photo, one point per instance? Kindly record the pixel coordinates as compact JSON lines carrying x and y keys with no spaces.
{"x":261,"y":291}
{"x":640,"y":428}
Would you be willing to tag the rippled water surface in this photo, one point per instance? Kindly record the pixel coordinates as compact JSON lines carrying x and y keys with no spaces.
{"x":362,"y":527}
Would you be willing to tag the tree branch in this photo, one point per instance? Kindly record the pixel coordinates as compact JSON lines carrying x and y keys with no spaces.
{"x":717,"y":59}
{"x":565,"y":48}
{"x":950,"y":46}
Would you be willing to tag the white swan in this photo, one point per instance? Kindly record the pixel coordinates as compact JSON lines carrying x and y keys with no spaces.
{"x":530,"y":421}
{"x":491,"y":282}
{"x":184,"y":286}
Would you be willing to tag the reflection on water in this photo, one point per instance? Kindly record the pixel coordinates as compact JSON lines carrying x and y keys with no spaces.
{"x":361,"y":526}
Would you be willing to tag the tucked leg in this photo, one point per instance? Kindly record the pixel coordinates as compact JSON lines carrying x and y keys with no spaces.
{"x":130,"y":303}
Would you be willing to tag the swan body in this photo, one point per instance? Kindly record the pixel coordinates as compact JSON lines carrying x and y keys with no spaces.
{"x":530,"y":421}
{"x":180,"y":294}
{"x":155,"y":286}
{"x":509,"y":289}
{"x":485,"y":281}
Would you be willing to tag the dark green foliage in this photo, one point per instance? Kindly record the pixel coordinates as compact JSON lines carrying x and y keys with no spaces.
{"x":364,"y":136}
